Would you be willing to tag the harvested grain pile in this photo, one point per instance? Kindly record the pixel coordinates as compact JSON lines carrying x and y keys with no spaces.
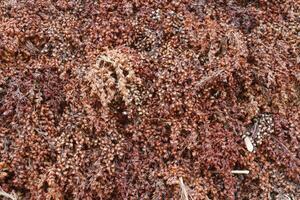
{"x":150,"y":99}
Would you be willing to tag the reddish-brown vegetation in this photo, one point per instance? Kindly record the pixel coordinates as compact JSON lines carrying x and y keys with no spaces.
{"x":122,"y":99}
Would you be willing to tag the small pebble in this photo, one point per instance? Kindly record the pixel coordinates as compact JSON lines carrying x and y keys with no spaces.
{"x":249,"y":144}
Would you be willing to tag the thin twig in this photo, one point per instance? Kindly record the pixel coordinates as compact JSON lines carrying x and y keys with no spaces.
{"x":244,"y":171}
{"x":12,"y":196}
{"x":209,"y":77}
{"x":285,"y":147}
{"x":240,"y":171}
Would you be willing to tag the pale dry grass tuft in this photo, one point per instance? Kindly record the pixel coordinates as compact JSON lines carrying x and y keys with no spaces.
{"x":184,"y":190}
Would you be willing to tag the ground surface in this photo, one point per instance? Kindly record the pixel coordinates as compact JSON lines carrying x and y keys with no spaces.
{"x":149,"y":99}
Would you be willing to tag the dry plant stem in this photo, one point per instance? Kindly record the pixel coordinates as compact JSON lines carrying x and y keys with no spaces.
{"x":285,"y":147}
{"x":210,"y":76}
{"x":235,"y":172}
{"x":183,"y":189}
{"x":7,"y":195}
{"x":240,"y":171}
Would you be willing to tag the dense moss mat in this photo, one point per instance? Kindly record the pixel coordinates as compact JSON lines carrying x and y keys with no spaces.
{"x":150,"y":99}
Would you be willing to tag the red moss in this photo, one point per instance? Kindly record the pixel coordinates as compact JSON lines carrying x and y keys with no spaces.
{"x":117,"y":100}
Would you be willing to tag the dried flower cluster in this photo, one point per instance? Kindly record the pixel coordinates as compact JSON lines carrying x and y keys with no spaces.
{"x":149,"y":99}
{"x":112,"y":74}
